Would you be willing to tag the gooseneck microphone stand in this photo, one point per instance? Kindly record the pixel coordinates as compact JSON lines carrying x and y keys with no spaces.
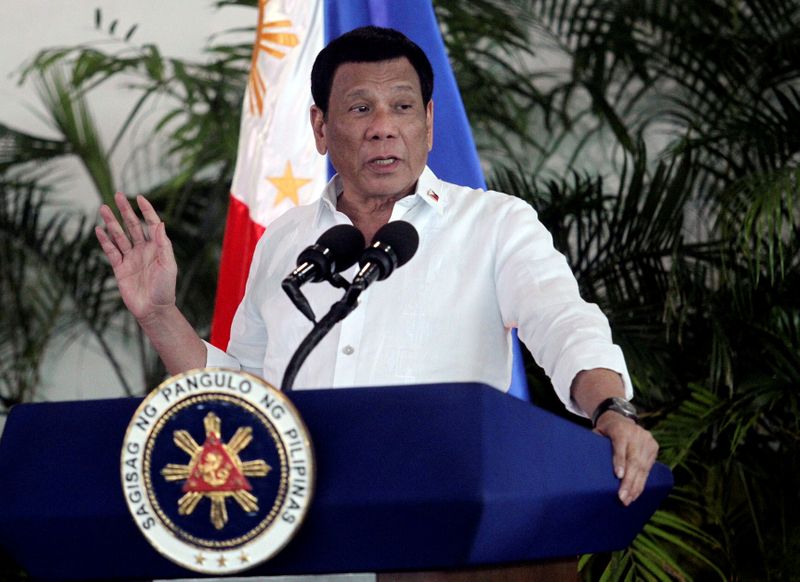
{"x":337,"y":313}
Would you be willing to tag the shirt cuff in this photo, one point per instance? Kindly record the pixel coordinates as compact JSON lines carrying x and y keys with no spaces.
{"x":216,"y":358}
{"x":611,"y":359}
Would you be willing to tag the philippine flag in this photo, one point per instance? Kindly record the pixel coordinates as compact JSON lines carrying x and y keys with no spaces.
{"x":278,"y":166}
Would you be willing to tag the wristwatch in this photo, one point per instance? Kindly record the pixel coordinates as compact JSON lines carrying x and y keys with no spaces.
{"x":618,"y":405}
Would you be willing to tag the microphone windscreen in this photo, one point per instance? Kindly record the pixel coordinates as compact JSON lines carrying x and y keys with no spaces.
{"x":401,"y":237}
{"x":345,"y":242}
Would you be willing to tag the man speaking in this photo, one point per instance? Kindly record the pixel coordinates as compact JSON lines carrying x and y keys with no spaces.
{"x":484,"y":265}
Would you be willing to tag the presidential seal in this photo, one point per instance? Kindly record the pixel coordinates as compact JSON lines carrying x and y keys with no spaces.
{"x":217,"y":470}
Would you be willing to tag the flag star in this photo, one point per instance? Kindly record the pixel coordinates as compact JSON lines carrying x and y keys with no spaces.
{"x":244,"y":558}
{"x":222,"y":561}
{"x":287,"y":185}
{"x":199,"y":559}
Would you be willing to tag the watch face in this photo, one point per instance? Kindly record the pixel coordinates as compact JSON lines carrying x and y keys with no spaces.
{"x":624,"y":406}
{"x":618,"y":405}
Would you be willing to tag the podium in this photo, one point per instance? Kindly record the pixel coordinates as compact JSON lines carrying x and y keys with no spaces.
{"x":411,"y":478}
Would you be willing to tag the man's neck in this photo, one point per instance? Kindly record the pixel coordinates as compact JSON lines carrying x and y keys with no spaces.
{"x":368,"y":215}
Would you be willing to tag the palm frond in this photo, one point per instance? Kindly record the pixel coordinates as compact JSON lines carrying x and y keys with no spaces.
{"x":71,"y":117}
{"x":53,"y":278}
{"x":19,"y":148}
{"x":669,"y":548}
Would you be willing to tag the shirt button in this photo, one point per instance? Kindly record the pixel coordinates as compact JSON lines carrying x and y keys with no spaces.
{"x":348,"y":350}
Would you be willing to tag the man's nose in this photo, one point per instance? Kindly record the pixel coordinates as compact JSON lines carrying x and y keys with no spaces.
{"x":383,"y":124}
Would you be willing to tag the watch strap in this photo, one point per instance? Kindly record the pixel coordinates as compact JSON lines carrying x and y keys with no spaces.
{"x":618,"y":405}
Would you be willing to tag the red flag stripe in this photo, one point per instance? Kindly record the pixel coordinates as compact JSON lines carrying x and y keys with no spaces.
{"x":241,"y":236}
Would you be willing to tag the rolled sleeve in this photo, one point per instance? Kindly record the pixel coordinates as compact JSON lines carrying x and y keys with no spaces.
{"x":216,"y":358}
{"x":538,"y":292}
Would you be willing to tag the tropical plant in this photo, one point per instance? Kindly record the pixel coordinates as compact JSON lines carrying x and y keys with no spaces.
{"x":656,"y":139}
{"x":665,"y":162}
{"x":197,"y":106}
{"x":53,"y":281}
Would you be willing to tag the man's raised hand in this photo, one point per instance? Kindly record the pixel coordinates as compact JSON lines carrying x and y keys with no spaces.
{"x":142,"y":258}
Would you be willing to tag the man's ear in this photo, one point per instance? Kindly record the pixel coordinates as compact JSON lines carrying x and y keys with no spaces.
{"x":318,"y":127}
{"x":429,"y":123}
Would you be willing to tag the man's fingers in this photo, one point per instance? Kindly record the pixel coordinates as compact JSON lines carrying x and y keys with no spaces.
{"x":131,"y":219}
{"x":117,"y":235}
{"x":622,"y":467}
{"x":165,"y":254}
{"x":148,"y":212}
{"x":634,"y":451}
{"x":151,"y":218}
{"x":633,"y":483}
{"x":641,"y":450}
{"x":109,"y":248}
{"x":152,"y":221}
{"x":620,"y":456}
{"x":114,"y":230}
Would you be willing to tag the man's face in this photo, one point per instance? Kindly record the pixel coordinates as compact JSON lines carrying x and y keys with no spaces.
{"x":377,"y":131}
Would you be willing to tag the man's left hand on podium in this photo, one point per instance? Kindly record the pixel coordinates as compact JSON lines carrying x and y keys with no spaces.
{"x":634,"y":448}
{"x":634,"y":452}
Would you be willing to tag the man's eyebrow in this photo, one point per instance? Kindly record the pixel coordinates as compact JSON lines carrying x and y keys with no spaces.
{"x":404,"y":87}
{"x":359,"y":93}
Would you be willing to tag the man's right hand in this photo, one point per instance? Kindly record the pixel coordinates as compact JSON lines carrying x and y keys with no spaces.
{"x":146,"y":272}
{"x":143,"y":261}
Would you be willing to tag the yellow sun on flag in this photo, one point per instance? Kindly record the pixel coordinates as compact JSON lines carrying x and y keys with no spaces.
{"x":288,"y":185}
{"x":270,"y":39}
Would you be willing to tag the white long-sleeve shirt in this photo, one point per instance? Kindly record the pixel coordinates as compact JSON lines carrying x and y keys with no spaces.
{"x":485,"y":264}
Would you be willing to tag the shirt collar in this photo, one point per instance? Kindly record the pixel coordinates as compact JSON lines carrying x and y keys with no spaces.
{"x":429,"y":190}
{"x":327,"y":201}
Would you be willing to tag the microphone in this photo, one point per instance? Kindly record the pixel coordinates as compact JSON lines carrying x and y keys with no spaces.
{"x":392,"y":246}
{"x":335,"y":250}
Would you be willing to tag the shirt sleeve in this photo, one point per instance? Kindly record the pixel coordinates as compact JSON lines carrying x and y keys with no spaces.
{"x":538,"y":293}
{"x":216,"y":358}
{"x":248,"y":337}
